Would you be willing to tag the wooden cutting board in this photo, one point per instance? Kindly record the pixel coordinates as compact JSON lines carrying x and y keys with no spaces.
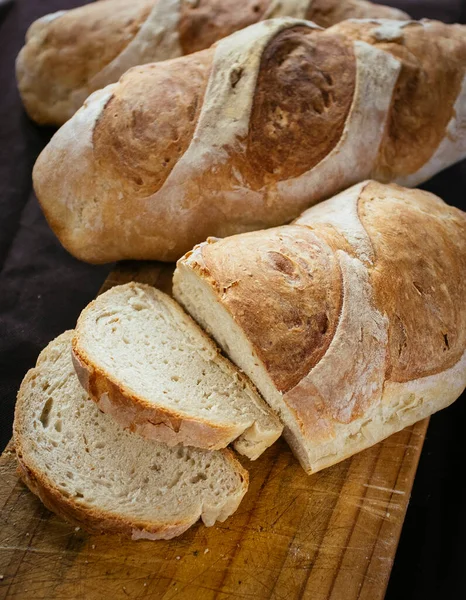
{"x":332,"y":535}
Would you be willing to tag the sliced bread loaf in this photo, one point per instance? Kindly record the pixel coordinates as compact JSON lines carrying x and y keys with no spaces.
{"x":351,"y":321}
{"x":86,"y":468}
{"x":150,"y":366}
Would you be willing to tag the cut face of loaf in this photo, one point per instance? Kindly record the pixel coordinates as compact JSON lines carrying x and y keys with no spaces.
{"x":351,"y":321}
{"x":70,"y":54}
{"x":253,"y":131}
{"x":86,"y":468}
{"x":147,"y":363}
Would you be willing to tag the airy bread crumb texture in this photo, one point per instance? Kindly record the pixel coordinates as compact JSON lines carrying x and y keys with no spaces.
{"x":85,"y":467}
{"x":148,"y":364}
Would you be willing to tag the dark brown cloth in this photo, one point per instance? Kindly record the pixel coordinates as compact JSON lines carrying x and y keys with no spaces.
{"x":43,"y":289}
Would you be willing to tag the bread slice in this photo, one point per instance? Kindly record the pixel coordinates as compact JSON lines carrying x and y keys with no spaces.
{"x":92,"y":472}
{"x":150,"y":366}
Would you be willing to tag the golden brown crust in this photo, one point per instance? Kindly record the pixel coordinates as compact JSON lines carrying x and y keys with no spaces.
{"x":328,"y":12}
{"x":106,"y":191}
{"x":397,"y":351}
{"x":304,"y":92}
{"x":433,"y":59}
{"x":420,"y":280}
{"x":140,"y":142}
{"x":203,"y":22}
{"x":417,"y":277}
{"x":295,"y":280}
{"x":62,"y":56}
{"x":303,"y":96}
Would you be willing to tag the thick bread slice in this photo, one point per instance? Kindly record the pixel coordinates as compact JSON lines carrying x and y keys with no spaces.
{"x":86,"y":468}
{"x":148,"y":364}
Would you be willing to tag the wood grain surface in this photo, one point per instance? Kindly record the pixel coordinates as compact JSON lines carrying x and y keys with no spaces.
{"x":332,"y":535}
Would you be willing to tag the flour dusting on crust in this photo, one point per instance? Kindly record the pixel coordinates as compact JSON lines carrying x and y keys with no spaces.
{"x":156,"y":40}
{"x":225,"y":114}
{"x":391,"y":31}
{"x":341,"y":211}
{"x":296,"y":9}
{"x":348,"y":379}
{"x":353,"y":158}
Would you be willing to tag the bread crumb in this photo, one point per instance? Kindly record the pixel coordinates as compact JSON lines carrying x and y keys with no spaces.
{"x":27,"y":534}
{"x":145,"y":584}
{"x":77,"y":528}
{"x":178,"y":557}
{"x":206,"y":550}
{"x":93,"y":546}
{"x":1,"y":577}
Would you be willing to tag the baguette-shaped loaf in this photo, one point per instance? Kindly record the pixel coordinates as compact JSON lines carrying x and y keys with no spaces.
{"x":351,"y":321}
{"x":89,"y":470}
{"x":144,"y":361}
{"x":70,"y":54}
{"x":249,"y":133}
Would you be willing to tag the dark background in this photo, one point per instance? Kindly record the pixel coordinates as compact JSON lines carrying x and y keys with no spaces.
{"x":43,"y":289}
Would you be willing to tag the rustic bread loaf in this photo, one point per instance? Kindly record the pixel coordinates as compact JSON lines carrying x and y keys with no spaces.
{"x":87,"y":469}
{"x":351,"y":321}
{"x":249,"y":133}
{"x":147,"y":363}
{"x":70,"y":54}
